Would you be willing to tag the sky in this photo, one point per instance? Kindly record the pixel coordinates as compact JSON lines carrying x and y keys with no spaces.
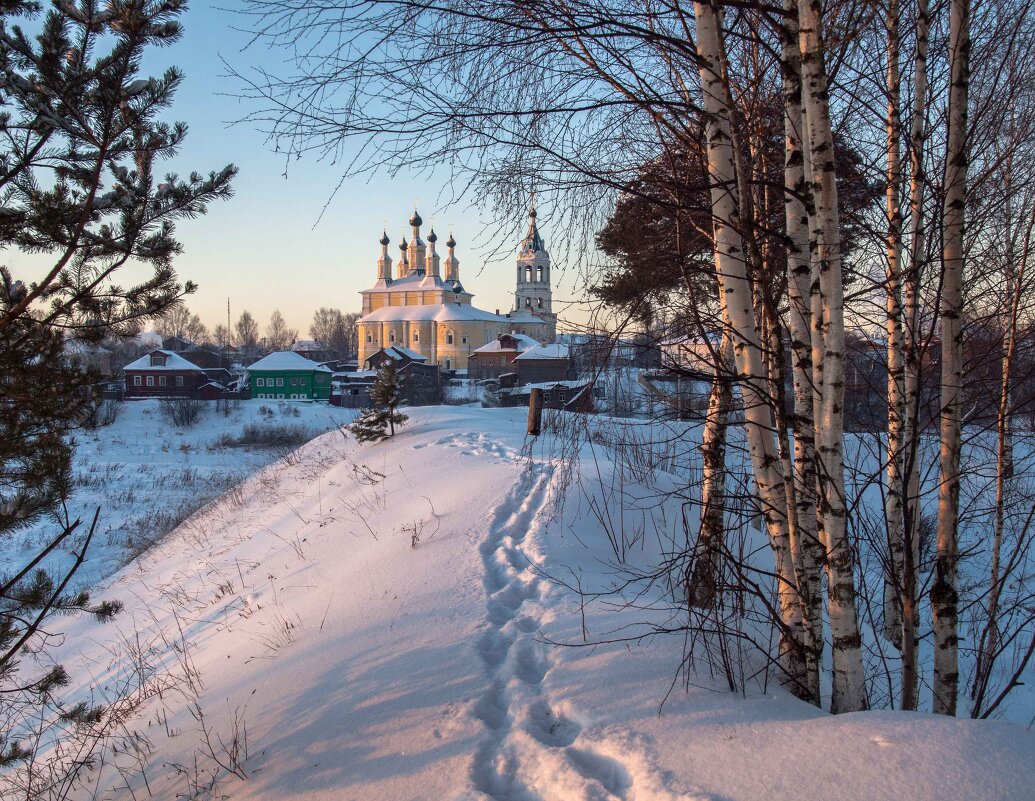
{"x":295,"y":236}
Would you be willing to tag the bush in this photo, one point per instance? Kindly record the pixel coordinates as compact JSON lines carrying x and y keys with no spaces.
{"x":182,"y":412}
{"x":268,"y":435}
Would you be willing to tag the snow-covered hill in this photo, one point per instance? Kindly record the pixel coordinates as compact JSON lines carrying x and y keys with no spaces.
{"x":382,"y":622}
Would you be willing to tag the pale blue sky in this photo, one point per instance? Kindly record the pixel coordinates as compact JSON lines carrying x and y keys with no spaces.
{"x":264,"y":248}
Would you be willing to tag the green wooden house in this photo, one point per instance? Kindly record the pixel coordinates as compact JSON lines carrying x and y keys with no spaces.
{"x":287,"y":376}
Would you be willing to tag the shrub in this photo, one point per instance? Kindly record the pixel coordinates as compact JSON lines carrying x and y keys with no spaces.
{"x":182,"y":412}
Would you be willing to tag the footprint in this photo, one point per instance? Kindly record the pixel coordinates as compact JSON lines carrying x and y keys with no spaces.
{"x":492,"y":708}
{"x":530,"y":664}
{"x":549,"y":728}
{"x":493,"y":646}
{"x":611,"y":774}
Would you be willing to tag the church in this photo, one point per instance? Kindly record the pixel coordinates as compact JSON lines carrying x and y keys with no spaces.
{"x":425,"y":308}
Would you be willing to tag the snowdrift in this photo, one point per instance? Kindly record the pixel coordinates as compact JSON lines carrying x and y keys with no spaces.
{"x":400,"y":621}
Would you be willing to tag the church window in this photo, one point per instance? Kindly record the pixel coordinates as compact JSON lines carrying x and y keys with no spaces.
{"x":391,"y":336}
{"x":449,"y":337}
{"x":416,"y":336}
{"x":447,"y":360}
{"x":539,"y":274}
{"x":370,"y":337}
{"x":528,"y":273}
{"x":463,"y":340}
{"x":528,"y":303}
{"x":540,"y":303}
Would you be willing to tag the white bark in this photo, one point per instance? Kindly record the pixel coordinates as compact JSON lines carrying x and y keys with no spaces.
{"x":910,"y":681}
{"x":944,"y":595}
{"x":736,"y":298}
{"x":807,"y":549}
{"x":849,"y":686}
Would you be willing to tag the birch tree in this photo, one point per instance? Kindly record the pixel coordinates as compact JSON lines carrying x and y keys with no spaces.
{"x":944,"y":591}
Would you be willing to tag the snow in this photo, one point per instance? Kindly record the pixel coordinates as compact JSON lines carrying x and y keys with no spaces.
{"x":555,"y":351}
{"x":173,"y":361}
{"x":524,"y":342}
{"x":286,"y":360}
{"x":440,"y":312}
{"x":382,"y":620}
{"x":398,"y":352}
{"x":147,"y":475}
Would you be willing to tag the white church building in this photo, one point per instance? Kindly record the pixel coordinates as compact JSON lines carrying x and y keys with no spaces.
{"x":424,"y":307}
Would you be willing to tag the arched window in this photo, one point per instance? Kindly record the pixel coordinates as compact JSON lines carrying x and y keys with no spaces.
{"x":528,"y":273}
{"x":528,"y":303}
{"x":447,"y":363}
{"x":391,"y":336}
{"x":539,"y":274}
{"x":449,"y":337}
{"x":540,"y":302}
{"x":416,"y":336}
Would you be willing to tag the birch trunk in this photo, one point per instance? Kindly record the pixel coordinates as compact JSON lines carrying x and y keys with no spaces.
{"x":704,"y":580}
{"x":736,"y":298}
{"x":910,"y":679}
{"x":808,"y":553}
{"x":849,"y":686}
{"x":944,"y":596}
{"x":894,"y":488}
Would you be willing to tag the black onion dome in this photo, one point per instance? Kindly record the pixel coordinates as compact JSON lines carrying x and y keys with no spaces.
{"x":415,"y":219}
{"x":450,"y":243}
{"x":432,"y":237}
{"x":384,"y":239}
{"x":402,"y":245}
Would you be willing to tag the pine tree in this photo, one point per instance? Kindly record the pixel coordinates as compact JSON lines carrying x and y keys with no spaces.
{"x":80,"y":138}
{"x":379,"y":421}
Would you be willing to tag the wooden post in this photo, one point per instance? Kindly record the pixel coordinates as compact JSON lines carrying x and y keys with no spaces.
{"x":535,"y":411}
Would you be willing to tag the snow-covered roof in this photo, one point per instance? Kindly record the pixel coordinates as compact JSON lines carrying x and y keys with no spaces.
{"x":556,"y":351}
{"x":523,"y":343}
{"x":286,"y":360}
{"x":524,"y":316}
{"x":440,"y":312}
{"x":306,"y":346}
{"x":527,"y":388}
{"x":414,"y":282}
{"x":173,"y":361}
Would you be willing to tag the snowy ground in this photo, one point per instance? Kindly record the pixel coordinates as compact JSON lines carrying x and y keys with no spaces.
{"x":374,"y":623}
{"x":146,"y":476}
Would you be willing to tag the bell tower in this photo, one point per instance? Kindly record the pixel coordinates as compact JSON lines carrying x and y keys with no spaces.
{"x":533,"y":294}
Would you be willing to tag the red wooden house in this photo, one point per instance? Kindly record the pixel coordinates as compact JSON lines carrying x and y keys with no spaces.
{"x":161,"y":374}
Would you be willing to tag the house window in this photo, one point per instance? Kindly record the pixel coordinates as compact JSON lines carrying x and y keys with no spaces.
{"x":294,"y":381}
{"x":161,"y":380}
{"x":150,"y":380}
{"x":280,"y":382}
{"x":449,"y":337}
{"x":260,"y":382}
{"x":179,"y":380}
{"x":319,"y":379}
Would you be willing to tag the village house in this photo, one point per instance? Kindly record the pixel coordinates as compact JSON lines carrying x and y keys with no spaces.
{"x":284,"y":375}
{"x":542,"y":363}
{"x":497,"y":358}
{"x":162,"y":373}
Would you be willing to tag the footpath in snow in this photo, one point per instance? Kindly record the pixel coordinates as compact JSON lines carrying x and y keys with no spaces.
{"x":378,"y":623}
